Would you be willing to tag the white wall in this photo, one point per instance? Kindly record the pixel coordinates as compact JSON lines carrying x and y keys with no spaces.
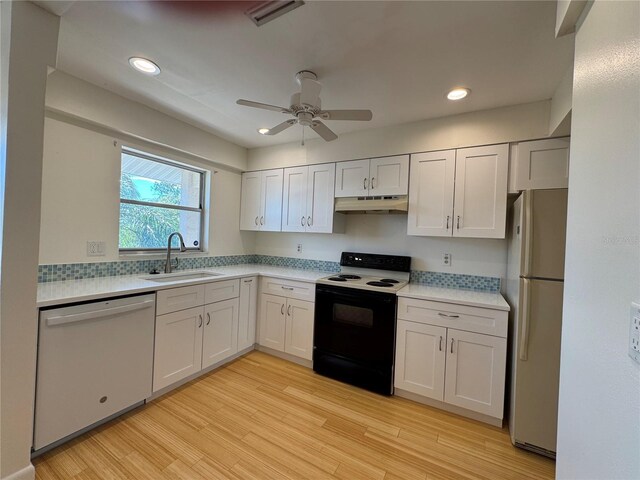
{"x":81,"y":191}
{"x":84,"y":100}
{"x":33,"y":36}
{"x":387,"y":233}
{"x":599,"y":416}
{"x":499,"y":125}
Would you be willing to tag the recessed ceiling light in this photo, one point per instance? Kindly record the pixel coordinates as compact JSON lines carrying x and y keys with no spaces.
{"x":144,"y":65}
{"x":458,"y":93}
{"x":263,"y":131}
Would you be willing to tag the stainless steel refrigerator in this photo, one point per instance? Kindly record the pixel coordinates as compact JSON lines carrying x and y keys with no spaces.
{"x":535,"y":274}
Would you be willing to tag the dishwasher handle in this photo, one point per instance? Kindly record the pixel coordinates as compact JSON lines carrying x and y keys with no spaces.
{"x":106,"y":312}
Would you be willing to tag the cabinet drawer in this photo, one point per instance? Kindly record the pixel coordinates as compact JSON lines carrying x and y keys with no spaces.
{"x":288,"y":288}
{"x":450,"y":315}
{"x":174,"y":299}
{"x":218,"y":291}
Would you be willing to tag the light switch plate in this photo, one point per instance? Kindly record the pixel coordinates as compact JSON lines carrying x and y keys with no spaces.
{"x":634,"y":332}
{"x":96,"y":249}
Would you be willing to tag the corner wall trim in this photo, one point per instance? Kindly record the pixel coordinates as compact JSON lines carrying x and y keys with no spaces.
{"x":27,"y":473}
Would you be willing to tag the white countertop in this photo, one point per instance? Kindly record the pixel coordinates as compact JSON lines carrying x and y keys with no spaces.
{"x":70,"y":291}
{"x":451,"y":295}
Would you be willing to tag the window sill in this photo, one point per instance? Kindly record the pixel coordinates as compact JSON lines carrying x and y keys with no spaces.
{"x":160,"y":256}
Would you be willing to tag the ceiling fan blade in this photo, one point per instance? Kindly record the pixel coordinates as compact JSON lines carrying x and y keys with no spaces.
{"x":324,"y":131}
{"x":361,"y":115}
{"x":310,"y":91}
{"x":264,"y":106}
{"x":281,"y":127}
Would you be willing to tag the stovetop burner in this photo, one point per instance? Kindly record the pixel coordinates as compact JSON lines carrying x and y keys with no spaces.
{"x":389,"y":280}
{"x":337,"y":279}
{"x":349,"y":277}
{"x":380,"y":284}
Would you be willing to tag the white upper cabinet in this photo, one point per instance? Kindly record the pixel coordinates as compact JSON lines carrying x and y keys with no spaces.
{"x":480,"y":203}
{"x":261,"y":202}
{"x":294,"y":199}
{"x":352,"y":179}
{"x":376,"y":177}
{"x":308,"y":200}
{"x":460,"y":193}
{"x":542,"y":164}
{"x":431,"y":193}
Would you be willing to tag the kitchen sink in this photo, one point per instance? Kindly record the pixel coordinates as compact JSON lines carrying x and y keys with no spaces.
{"x":177,"y":277}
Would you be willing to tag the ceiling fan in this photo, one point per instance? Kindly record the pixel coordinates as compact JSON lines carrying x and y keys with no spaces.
{"x":305,"y":107}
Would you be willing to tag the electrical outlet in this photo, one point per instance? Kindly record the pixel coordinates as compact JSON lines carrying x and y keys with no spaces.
{"x":634,"y":332}
{"x":96,"y":249}
{"x":446,"y":259}
{"x":299,"y":248}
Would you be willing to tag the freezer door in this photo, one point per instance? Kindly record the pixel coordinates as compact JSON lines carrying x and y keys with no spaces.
{"x":536,"y":357}
{"x":544,"y":233}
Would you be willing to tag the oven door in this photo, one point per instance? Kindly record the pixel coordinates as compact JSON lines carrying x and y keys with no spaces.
{"x":358,"y":325}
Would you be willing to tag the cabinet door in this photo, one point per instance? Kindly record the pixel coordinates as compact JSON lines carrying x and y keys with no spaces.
{"x":220,"y":339}
{"x":431,"y":194}
{"x":420,"y":359}
{"x":294,"y":199}
{"x":475,"y":372}
{"x":272,"y":321}
{"x":299,"y":328}
{"x":389,"y":175}
{"x":178,"y":346}
{"x":248,"y":311}
{"x":542,"y":164}
{"x":480,"y":205}
{"x":250,"y":202}
{"x":320,"y":198}
{"x":352,"y":179}
{"x":271,"y":201}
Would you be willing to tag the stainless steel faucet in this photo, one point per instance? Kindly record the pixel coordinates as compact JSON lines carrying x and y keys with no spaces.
{"x":168,"y":267}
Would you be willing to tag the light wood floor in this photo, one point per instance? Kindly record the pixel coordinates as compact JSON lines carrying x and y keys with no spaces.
{"x":263,"y":418}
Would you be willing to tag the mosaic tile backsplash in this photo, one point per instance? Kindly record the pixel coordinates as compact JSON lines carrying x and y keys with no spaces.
{"x":78,"y":271}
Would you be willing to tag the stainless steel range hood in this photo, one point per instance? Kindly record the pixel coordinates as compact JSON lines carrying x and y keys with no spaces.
{"x":379,"y":205}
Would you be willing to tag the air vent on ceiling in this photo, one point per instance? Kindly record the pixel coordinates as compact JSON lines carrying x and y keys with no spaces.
{"x":264,"y":12}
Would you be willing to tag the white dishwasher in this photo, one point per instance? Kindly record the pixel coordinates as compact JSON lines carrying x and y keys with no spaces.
{"x":94,"y":360}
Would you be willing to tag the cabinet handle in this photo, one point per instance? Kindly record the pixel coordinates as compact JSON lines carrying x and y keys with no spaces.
{"x":373,"y":185}
{"x":458,"y":225}
{"x":208,"y":318}
{"x":448,"y":217}
{"x":282,"y":309}
{"x":452,"y":345}
{"x":448,"y":316}
{"x":200,"y":324}
{"x":302,"y":221}
{"x":309,"y":221}
{"x":440,"y":345}
{"x":261,"y":220}
{"x":287,"y":288}
{"x":364,"y":183}
{"x":257,"y":220}
{"x":289,"y":310}
{"x":249,"y":281}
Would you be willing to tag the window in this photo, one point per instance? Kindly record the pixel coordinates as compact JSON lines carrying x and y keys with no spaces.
{"x":158,"y":197}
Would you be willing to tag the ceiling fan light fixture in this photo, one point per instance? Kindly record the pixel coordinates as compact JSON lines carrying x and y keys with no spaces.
{"x":458,"y":93}
{"x":144,"y":65}
{"x":263,"y":131}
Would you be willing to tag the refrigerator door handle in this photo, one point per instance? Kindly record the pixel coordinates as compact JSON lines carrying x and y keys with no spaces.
{"x":528,"y":232}
{"x":524,"y":321}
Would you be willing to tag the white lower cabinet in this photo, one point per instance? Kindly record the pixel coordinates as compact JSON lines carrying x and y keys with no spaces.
{"x":220,"y":339}
{"x":189,"y":340}
{"x":286,"y":324}
{"x":178,"y":346}
{"x":461,"y":368}
{"x":475,"y":372}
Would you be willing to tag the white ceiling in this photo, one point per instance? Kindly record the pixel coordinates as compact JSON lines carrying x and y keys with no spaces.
{"x":397,"y":58}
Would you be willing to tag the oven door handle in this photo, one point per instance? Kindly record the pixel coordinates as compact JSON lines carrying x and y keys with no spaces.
{"x":362,"y":297}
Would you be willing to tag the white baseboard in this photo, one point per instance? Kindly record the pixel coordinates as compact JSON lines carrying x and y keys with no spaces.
{"x":27,"y":473}
{"x":286,"y":356}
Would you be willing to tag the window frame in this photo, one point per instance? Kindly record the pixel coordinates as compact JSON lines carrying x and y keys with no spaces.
{"x":201,"y":209}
